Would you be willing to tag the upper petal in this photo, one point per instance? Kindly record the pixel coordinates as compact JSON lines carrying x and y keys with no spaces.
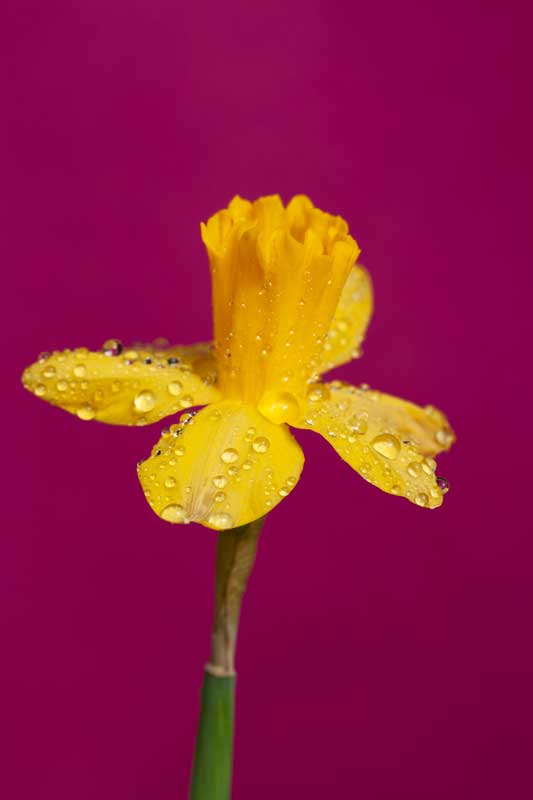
{"x":350,"y":321}
{"x":387,"y":440}
{"x":133,"y":386}
{"x":223,"y":467}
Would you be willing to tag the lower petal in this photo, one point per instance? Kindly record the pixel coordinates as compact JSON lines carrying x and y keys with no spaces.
{"x":223,"y":467}
{"x":389,"y":441}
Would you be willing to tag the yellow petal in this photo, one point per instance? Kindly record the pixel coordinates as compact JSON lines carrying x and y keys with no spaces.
{"x":131,"y":386}
{"x":223,"y":467}
{"x":277,"y":276}
{"x":387,"y":440}
{"x":350,"y":321}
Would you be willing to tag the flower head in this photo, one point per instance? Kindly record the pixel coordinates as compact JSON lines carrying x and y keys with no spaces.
{"x":289,"y":303}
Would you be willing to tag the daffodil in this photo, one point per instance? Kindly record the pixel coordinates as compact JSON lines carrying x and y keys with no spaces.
{"x":289,"y":303}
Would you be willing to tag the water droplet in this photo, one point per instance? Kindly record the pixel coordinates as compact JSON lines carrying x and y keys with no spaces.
{"x":175,"y":513}
{"x":261,"y":444}
{"x":40,"y":390}
{"x":80,"y":370}
{"x":131,"y":355}
{"x":395,"y":489}
{"x":247,"y":465}
{"x":220,"y":520}
{"x":174,"y":388}
{"x":318,"y":393}
{"x":49,"y":372}
{"x":86,"y":412}
{"x":170,"y":482}
{"x":429,"y":465}
{"x":144,"y":401}
{"x":414,"y":469}
{"x":220,"y":481}
{"x":229,"y":456}
{"x":283,"y":492}
{"x":292,"y":481}
{"x":386,"y":445}
{"x":115,"y":387}
{"x":279,"y":407}
{"x":444,"y":437}
{"x":62,"y":386}
{"x":179,"y":450}
{"x":357,"y":424}
{"x":112,"y":347}
{"x":219,"y":497}
{"x":421,"y":499}
{"x":443,"y":485}
{"x":186,"y":401}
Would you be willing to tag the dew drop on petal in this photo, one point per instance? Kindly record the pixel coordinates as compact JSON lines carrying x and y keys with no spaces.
{"x":62,"y":386}
{"x":357,"y":425}
{"x":444,"y":437}
{"x":443,"y":485}
{"x":144,"y":401}
{"x":112,"y":347}
{"x":175,"y":513}
{"x":80,"y":370}
{"x":421,"y":499}
{"x":220,"y":520}
{"x":170,"y":482}
{"x":86,"y":412}
{"x":174,"y":388}
{"x":261,"y":444}
{"x":229,"y":456}
{"x":386,"y":445}
{"x":219,"y":481}
{"x":414,"y":469}
{"x":40,"y":390}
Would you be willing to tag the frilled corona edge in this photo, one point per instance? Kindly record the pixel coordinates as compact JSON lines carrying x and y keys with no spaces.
{"x":289,"y":304}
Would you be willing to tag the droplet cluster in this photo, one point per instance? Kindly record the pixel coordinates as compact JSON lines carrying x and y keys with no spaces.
{"x":127,"y":385}
{"x":383,"y":438}
{"x":235,"y":466}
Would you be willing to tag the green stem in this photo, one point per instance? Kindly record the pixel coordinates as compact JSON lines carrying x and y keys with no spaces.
{"x":213,"y":759}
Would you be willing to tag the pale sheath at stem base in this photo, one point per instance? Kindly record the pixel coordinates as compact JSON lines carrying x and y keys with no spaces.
{"x":212,"y":768}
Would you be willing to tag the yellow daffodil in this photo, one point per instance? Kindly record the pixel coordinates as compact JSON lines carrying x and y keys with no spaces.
{"x":289,"y":304}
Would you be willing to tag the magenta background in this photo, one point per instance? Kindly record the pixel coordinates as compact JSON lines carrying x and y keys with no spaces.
{"x":386,"y":652}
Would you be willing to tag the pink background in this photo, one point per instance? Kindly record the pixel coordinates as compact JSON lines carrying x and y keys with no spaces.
{"x":386,"y":652}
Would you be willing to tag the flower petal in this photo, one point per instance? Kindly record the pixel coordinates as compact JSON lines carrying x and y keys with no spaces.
{"x":124,"y":386}
{"x":223,"y":467}
{"x":350,"y":321}
{"x":387,"y":440}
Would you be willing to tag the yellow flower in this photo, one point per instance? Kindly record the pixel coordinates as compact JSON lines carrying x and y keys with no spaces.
{"x":289,"y":303}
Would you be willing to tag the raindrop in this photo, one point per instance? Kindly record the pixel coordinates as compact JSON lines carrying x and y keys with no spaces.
{"x":219,"y":481}
{"x":220,"y":520}
{"x":174,"y":388}
{"x":175,"y":513}
{"x":386,"y":445}
{"x":86,"y":412}
{"x":261,"y":444}
{"x":80,"y":370}
{"x":229,"y":456}
{"x":40,"y":390}
{"x":62,"y":386}
{"x":170,"y":482}
{"x":443,"y":485}
{"x":144,"y":401}
{"x":112,"y":347}
{"x":421,"y":499}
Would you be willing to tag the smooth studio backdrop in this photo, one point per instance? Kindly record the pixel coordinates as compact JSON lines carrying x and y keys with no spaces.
{"x":385,"y":651}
